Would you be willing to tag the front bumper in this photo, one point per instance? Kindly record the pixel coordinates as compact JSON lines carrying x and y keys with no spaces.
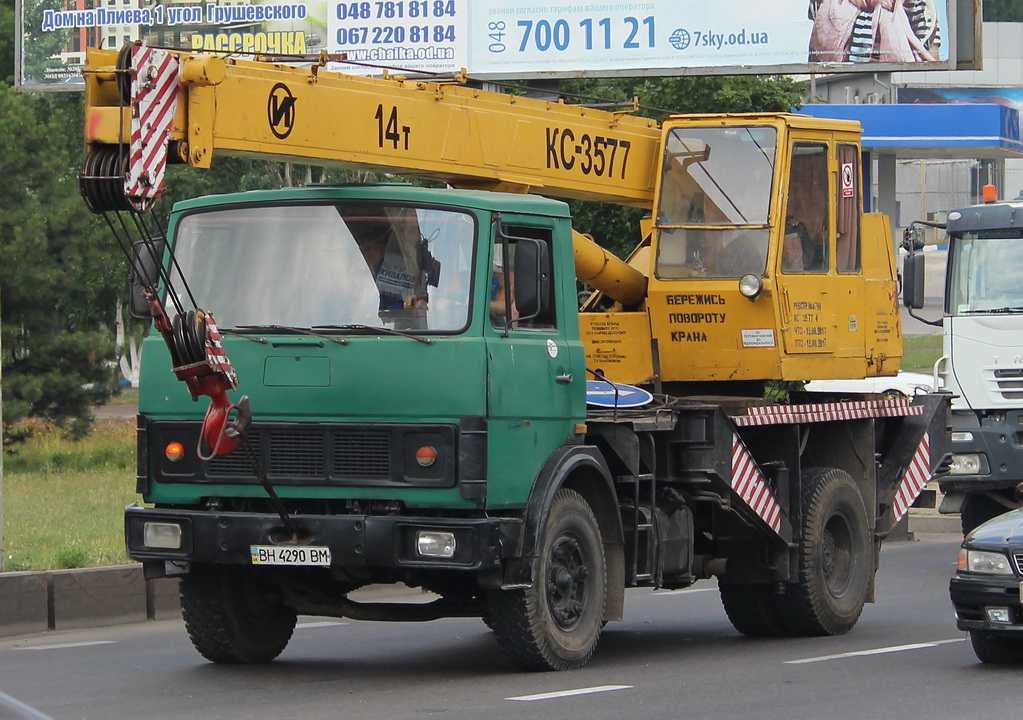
{"x":1000,"y":447}
{"x":973,"y":595}
{"x":355,"y":541}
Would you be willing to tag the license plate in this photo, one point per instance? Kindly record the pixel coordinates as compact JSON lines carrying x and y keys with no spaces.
{"x":1021,"y":593}
{"x":290,"y":555}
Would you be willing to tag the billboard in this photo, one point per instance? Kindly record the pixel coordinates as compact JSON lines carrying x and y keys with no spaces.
{"x":501,"y":39}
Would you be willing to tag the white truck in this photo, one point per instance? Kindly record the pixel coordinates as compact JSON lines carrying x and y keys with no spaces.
{"x":982,"y":358}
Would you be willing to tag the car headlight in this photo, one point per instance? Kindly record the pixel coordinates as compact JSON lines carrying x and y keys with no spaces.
{"x":981,"y":561}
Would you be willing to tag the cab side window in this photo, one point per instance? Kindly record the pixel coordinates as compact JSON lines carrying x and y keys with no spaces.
{"x":805,"y":247}
{"x":505,"y":279}
{"x":847,"y":206}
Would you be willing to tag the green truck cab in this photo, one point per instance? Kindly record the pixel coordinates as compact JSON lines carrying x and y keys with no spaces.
{"x":402,"y":417}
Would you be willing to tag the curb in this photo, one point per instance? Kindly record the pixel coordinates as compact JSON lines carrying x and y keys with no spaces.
{"x":33,"y":602}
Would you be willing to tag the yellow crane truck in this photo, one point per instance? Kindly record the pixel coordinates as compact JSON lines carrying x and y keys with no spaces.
{"x":404,"y":388}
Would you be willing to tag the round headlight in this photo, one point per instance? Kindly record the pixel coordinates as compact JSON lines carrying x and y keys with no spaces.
{"x":750,"y":286}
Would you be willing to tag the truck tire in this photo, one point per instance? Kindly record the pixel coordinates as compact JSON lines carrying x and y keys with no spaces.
{"x":836,"y":560}
{"x":976,"y":510}
{"x":232,"y":617}
{"x":753,"y":609}
{"x":997,"y":648}
{"x":555,"y":623}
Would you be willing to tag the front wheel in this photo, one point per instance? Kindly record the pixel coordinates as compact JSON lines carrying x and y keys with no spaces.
{"x":997,"y":648}
{"x":231,"y":616}
{"x":977,"y":509}
{"x":836,"y":559}
{"x":555,"y":623}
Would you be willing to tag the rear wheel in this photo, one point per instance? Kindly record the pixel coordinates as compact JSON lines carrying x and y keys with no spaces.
{"x":753,"y":609}
{"x":997,"y":648}
{"x":233,"y":617}
{"x":555,"y":624}
{"x":835,"y":557}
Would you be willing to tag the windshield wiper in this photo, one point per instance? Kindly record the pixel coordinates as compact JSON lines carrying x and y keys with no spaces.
{"x":253,"y":338}
{"x":999,"y":311}
{"x":374,"y":328}
{"x":299,"y":330}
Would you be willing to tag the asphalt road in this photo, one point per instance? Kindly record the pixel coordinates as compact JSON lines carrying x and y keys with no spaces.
{"x":675,"y":656}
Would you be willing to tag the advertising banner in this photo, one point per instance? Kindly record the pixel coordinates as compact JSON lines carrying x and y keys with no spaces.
{"x":497,"y":39}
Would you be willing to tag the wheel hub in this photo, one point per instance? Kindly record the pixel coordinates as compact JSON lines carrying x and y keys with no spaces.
{"x":566,"y":582}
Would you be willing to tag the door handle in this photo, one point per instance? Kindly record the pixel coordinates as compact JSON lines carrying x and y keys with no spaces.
{"x":564,"y":379}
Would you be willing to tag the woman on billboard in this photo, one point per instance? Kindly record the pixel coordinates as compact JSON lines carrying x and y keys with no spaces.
{"x":890,"y":31}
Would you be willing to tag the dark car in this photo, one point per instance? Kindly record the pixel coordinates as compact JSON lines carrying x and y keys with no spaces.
{"x":987,"y":589}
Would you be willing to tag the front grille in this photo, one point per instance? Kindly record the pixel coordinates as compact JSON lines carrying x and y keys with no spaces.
{"x":1009,"y":383}
{"x":362,"y":454}
{"x":325,"y":454}
{"x":1017,"y":558}
{"x":297,"y":454}
{"x":319,"y":454}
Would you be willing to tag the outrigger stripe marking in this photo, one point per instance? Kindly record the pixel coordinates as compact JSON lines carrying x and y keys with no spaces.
{"x":918,"y":473}
{"x":826,"y":412}
{"x":750,"y":485}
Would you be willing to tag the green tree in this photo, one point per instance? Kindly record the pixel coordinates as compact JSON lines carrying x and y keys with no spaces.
{"x":1002,"y":11}
{"x":58,"y":276}
{"x":6,"y":41}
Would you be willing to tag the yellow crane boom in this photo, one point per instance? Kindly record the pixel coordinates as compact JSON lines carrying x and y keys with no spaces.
{"x":464,"y":136}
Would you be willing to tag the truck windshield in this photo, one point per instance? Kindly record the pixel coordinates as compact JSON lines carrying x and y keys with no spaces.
{"x":981,"y":276}
{"x":715,"y":194}
{"x":405,"y":268}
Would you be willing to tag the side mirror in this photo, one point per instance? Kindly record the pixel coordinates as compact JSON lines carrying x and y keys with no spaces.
{"x":532,"y":279}
{"x":145,"y":272}
{"x":913,"y":238}
{"x":913,"y":280}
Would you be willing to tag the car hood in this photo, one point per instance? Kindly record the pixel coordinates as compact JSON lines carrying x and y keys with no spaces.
{"x":1007,"y":528}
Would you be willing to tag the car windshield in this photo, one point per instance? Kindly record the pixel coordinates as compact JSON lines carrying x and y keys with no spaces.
{"x":712,"y":210}
{"x":345,"y":264}
{"x":982,"y":278}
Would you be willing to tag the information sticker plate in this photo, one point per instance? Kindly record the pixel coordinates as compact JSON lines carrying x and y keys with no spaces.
{"x":290,"y":555}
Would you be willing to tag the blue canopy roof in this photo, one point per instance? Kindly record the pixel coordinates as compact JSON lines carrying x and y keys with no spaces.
{"x":933,"y":130}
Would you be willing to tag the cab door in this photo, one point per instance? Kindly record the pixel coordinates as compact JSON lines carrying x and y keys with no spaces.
{"x":535,"y":365}
{"x":819,"y":272}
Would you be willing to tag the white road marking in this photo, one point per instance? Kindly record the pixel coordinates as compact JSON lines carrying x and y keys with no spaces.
{"x":68,"y":645}
{"x":678,"y":593}
{"x":570,"y":693}
{"x":875,"y":651}
{"x":321,"y":624}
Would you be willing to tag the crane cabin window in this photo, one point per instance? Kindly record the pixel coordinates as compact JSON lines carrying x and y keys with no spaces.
{"x":714,"y":200}
{"x":805,"y":248}
{"x":847,"y":213}
{"x":326,"y":266}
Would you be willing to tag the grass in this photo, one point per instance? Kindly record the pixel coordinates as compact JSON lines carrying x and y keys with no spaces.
{"x":64,"y":500}
{"x":920,"y":352}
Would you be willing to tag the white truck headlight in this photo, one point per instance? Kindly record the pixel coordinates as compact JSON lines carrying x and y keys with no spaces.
{"x":965,"y":464}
